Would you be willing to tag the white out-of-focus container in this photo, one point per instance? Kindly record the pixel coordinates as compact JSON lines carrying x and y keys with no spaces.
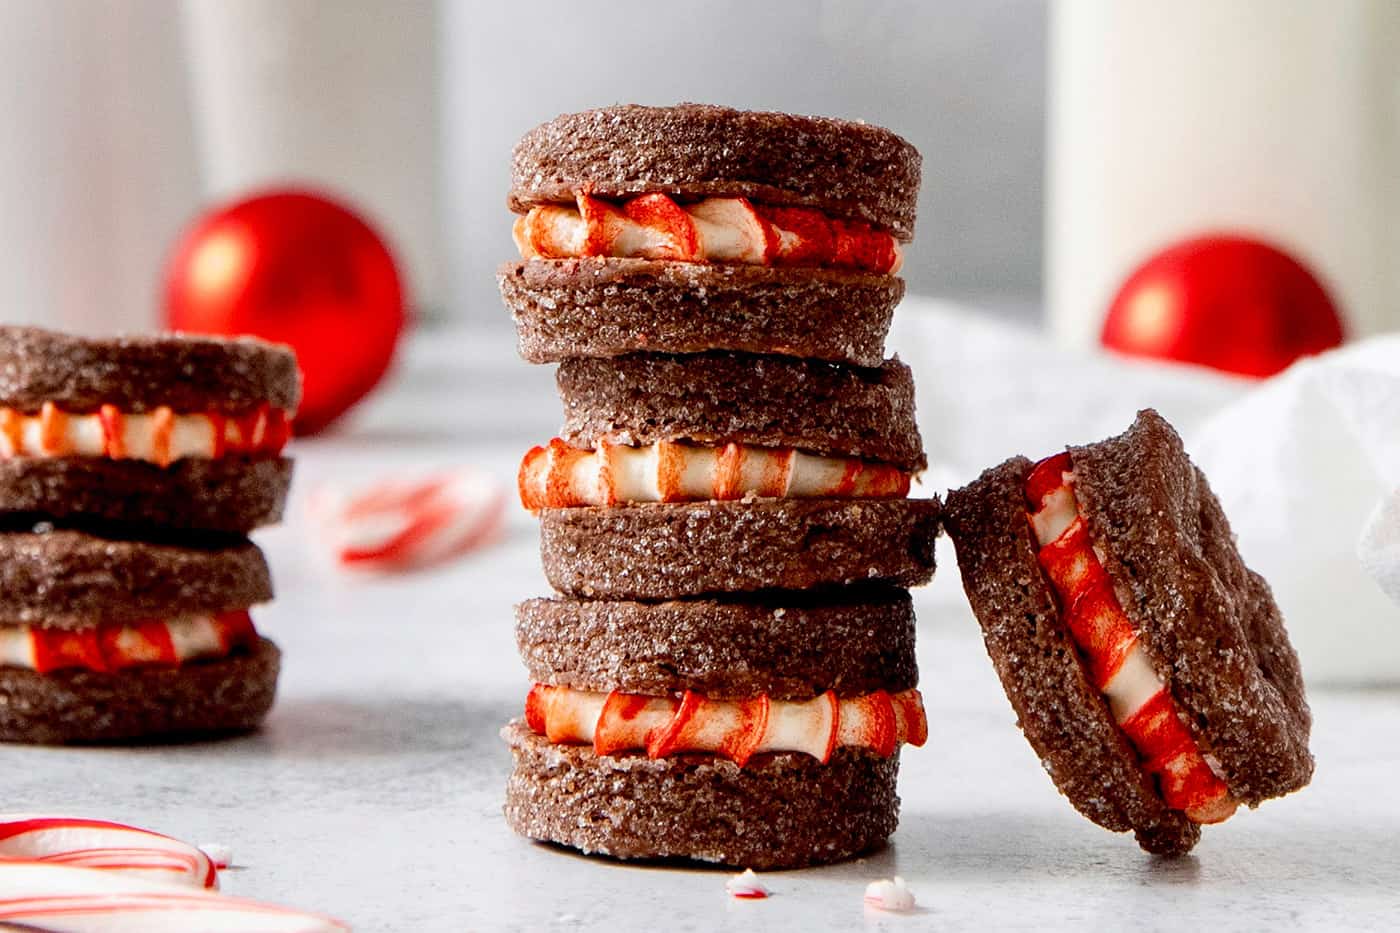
{"x":1280,"y":120}
{"x":97,"y":167}
{"x":338,"y":96}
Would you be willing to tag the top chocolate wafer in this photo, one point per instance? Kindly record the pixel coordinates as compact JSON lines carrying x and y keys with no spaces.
{"x":845,"y":169}
{"x":184,"y":373}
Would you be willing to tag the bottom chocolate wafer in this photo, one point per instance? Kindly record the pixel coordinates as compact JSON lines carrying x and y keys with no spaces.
{"x":783,"y":810}
{"x":230,"y":694}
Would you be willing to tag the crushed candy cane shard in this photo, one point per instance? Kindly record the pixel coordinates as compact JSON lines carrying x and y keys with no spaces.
{"x":558,"y":475}
{"x":889,"y":894}
{"x":735,"y":729}
{"x":100,"y":844}
{"x":746,"y":886}
{"x":87,"y":900}
{"x":732,"y":230}
{"x":1139,"y":701}
{"x":399,"y":524}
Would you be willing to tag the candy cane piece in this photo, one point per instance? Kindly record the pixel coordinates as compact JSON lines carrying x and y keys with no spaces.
{"x":396,"y":524}
{"x":85,"y":900}
{"x":101,"y":844}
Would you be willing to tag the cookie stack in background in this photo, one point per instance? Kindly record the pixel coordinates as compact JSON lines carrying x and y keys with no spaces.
{"x":728,"y":670}
{"x":131,"y":471}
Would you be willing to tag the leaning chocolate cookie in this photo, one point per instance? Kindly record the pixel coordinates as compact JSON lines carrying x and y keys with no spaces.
{"x":174,"y":432}
{"x":1148,"y":666}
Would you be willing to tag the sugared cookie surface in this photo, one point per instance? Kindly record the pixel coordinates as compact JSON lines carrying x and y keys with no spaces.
{"x":761,"y":401}
{"x":661,"y":551}
{"x":849,"y":170}
{"x":1148,"y":666}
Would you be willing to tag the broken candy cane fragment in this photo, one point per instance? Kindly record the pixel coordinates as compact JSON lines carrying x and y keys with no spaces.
{"x":746,"y":886}
{"x":891,"y":895}
{"x":102,"y":844}
{"x":398,"y":524}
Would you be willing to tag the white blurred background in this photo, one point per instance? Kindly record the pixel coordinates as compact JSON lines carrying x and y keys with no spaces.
{"x":123,"y":118}
{"x":1077,"y":137}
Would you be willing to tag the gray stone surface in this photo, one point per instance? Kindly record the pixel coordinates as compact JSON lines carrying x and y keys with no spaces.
{"x":374,"y":792}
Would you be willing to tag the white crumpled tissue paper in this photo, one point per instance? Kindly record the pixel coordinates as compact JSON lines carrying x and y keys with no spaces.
{"x":1306,"y":464}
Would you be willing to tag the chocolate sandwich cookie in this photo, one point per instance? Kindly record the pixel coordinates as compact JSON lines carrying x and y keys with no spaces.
{"x":690,"y":228}
{"x":1148,"y":666}
{"x":569,"y":308}
{"x":787,"y":645}
{"x":761,"y":732}
{"x":768,"y":401}
{"x":105,"y":639}
{"x":664,"y":550}
{"x":173,"y":432}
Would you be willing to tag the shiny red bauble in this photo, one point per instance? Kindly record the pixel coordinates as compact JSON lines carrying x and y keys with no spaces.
{"x":1228,"y":302}
{"x":300,"y":269}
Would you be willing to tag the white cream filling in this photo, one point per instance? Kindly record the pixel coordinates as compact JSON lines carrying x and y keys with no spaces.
{"x":618,"y":473}
{"x":16,"y":647}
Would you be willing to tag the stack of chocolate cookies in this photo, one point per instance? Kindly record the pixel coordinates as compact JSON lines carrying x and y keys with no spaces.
{"x":131,"y":471}
{"x":728,"y":671}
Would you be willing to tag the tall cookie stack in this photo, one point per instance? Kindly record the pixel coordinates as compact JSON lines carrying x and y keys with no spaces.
{"x":728,"y":670}
{"x":131,"y":471}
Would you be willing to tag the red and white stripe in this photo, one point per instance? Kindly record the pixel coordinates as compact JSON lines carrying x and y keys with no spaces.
{"x":736,"y":729}
{"x":107,"y":648}
{"x":65,"y":899}
{"x":561,"y":476}
{"x":160,"y":436}
{"x":653,"y":226}
{"x":1140,"y":702}
{"x":398,"y":524}
{"x":83,"y":843}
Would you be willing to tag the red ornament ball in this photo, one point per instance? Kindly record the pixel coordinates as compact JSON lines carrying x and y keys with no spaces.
{"x":1228,"y":302}
{"x":300,"y":269}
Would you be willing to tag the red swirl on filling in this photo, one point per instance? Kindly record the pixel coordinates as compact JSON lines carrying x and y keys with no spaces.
{"x":262,"y":431}
{"x":653,"y":226}
{"x":735,"y":729}
{"x":109,"y":648}
{"x":561,"y":476}
{"x":1106,"y":637}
